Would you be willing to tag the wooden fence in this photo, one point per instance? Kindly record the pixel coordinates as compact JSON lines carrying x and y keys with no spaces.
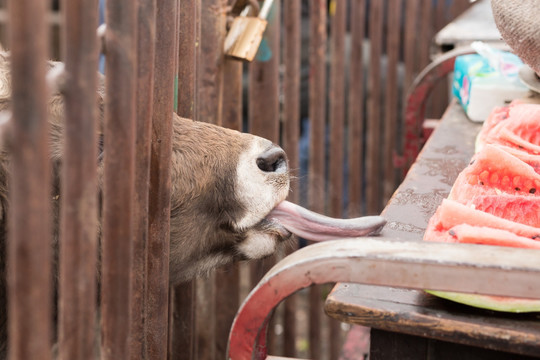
{"x":328,"y":84}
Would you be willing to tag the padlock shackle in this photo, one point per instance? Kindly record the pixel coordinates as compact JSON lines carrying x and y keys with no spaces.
{"x":263,"y":14}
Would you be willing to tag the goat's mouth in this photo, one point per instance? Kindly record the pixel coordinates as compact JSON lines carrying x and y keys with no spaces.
{"x":287,"y":218}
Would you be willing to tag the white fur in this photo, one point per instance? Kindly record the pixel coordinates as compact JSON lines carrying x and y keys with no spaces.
{"x":257,"y":190}
{"x":257,"y":245}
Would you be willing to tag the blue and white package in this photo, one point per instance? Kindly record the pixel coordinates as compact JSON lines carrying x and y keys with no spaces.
{"x":487,"y":80}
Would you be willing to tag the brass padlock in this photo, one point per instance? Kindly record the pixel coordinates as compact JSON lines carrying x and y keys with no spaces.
{"x":245,"y":35}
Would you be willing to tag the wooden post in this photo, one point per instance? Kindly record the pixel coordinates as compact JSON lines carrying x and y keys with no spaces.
{"x":291,"y":137}
{"x":356,"y":108}
{"x":79,"y":238}
{"x":29,"y":245}
{"x":160,"y":181}
{"x":146,"y":30}
{"x":119,"y":144}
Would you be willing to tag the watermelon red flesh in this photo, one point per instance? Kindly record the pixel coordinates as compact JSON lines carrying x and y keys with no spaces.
{"x":531,"y":159}
{"x":451,"y":214}
{"x":517,"y":125}
{"x":493,"y":171}
{"x":519,"y":208}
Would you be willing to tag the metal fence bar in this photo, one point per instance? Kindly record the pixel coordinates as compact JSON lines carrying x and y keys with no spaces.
{"x":29,"y":246}
{"x":146,"y":29}
{"x":160,"y":181}
{"x":79,"y":210}
{"x":291,"y":137}
{"x":119,"y":144}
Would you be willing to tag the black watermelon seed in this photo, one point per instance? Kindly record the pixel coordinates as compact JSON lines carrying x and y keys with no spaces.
{"x":452,"y":233}
{"x":532,"y":190}
{"x":517,"y":189}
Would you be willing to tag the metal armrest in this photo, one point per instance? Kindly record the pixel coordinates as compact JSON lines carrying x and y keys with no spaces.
{"x":420,"y":265}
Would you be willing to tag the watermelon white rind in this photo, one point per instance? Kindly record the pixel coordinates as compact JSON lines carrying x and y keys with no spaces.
{"x":496,"y":303}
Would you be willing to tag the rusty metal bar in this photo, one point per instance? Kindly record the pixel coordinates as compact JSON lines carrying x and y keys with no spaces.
{"x":356,"y":107}
{"x":391,"y":103}
{"x":29,"y":245}
{"x":373,"y":158}
{"x":146,"y":29}
{"x":79,"y":211}
{"x":291,"y":136}
{"x":317,"y":166}
{"x":119,"y":164}
{"x":160,"y":182}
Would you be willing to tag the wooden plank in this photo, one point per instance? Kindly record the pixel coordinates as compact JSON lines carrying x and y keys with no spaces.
{"x":28,"y":263}
{"x":336,"y":95}
{"x":210,"y":61}
{"x":426,"y":33}
{"x":228,"y":278}
{"x":119,"y":142}
{"x":391,"y":98}
{"x":79,"y":211}
{"x":356,"y":108}
{"x":291,"y":137}
{"x":187,"y":56}
{"x":317,"y":166}
{"x":182,"y":344}
{"x":373,"y":130}
{"x":146,"y":30}
{"x":264,"y":110}
{"x":160,"y":182}
{"x":183,"y":328}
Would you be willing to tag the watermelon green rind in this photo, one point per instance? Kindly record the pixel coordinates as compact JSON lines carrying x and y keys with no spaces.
{"x":496,"y":303}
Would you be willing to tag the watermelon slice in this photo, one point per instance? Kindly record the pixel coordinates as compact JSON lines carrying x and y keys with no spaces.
{"x":531,"y":159}
{"x":516,"y":126}
{"x":519,"y":208}
{"x":451,"y":213}
{"x":494,"y":171}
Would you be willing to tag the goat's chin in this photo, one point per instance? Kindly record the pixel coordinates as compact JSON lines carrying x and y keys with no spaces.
{"x":263,"y":240}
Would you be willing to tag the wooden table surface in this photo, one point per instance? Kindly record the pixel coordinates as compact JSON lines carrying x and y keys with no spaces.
{"x":413,"y":324}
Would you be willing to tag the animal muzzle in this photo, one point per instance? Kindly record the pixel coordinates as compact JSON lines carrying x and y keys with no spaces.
{"x":273,"y":159}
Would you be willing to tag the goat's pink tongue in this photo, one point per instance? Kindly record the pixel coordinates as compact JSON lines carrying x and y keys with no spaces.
{"x":316,"y":227}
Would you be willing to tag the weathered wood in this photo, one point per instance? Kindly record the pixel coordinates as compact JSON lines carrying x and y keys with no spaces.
{"x":291,"y":137}
{"x":187,"y":58}
{"x":182,"y":343}
{"x":356,"y":108}
{"x":391,"y":98}
{"x":336,"y":95}
{"x":79,"y":210}
{"x":28,"y":263}
{"x":264,"y":110}
{"x":119,"y":163}
{"x":317,"y":166}
{"x":160,"y":182}
{"x":144,"y":107}
{"x":183,"y":327}
{"x":373,"y":130}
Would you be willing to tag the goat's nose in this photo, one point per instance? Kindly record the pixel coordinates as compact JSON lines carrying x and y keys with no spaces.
{"x":273,"y":160}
